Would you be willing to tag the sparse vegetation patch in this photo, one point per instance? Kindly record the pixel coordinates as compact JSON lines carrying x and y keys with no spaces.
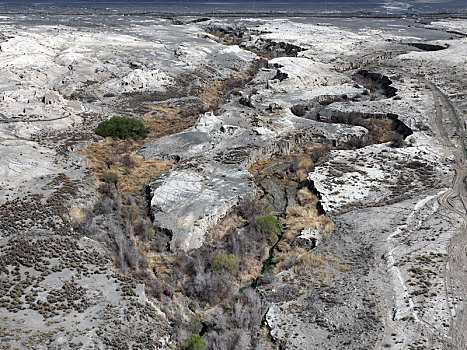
{"x":195,"y":342}
{"x":269,"y":224}
{"x":226,"y":262}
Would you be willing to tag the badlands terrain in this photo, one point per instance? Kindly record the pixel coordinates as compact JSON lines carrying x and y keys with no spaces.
{"x":351,"y":132}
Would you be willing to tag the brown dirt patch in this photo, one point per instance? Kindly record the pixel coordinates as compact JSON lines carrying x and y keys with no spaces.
{"x":163,"y":120}
{"x":109,"y":155}
{"x":257,"y":168}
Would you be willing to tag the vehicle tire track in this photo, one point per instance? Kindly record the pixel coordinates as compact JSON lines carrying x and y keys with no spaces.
{"x":455,"y":278}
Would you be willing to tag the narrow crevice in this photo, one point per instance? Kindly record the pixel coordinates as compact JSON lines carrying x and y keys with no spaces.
{"x":148,"y":198}
{"x":311,"y":187}
{"x":268,"y":262}
{"x":427,"y":47}
{"x":375,"y":81}
{"x":276,"y":342}
{"x":204,"y":329}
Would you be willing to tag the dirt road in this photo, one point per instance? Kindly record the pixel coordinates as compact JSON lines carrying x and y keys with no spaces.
{"x":454,"y":200}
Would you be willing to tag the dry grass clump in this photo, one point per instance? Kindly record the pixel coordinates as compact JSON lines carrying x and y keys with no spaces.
{"x":300,"y":217}
{"x":304,"y":167}
{"x":144,"y":171}
{"x":227,"y":225}
{"x":259,"y":167}
{"x":306,"y":197}
{"x":77,"y":214}
{"x":260,"y":164}
{"x":165,"y":119}
{"x":287,"y":256}
{"x":316,"y":150}
{"x":305,"y":263}
{"x":214,"y":95}
{"x":157,"y":264}
{"x":305,"y":215}
{"x":301,"y":260}
{"x":116,"y":155}
{"x":219,"y":89}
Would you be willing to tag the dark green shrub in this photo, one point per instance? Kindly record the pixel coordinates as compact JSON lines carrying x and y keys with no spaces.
{"x":226,"y":262}
{"x":110,"y":176}
{"x":122,"y":128}
{"x":269,"y":224}
{"x":194,"y":342}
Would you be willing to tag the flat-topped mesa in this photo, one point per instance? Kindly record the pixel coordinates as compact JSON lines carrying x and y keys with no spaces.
{"x":189,"y":201}
{"x":351,"y":178}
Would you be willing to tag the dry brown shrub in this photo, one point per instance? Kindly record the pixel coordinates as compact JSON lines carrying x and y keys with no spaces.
{"x":305,"y":215}
{"x":306,"y":197}
{"x":258,"y":166}
{"x":250,"y":270}
{"x":304,"y":167}
{"x":165,"y":119}
{"x":380,"y":130}
{"x":287,"y":257}
{"x":227,"y":225}
{"x":316,"y":150}
{"x":158,"y":265}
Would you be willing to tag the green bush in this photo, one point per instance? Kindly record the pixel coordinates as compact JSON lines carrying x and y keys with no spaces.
{"x":269,"y":223}
{"x":226,"y":262}
{"x":194,"y":342}
{"x":110,"y":176}
{"x":122,"y":128}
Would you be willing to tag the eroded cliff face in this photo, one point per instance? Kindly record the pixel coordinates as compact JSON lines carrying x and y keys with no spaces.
{"x":351,"y":137}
